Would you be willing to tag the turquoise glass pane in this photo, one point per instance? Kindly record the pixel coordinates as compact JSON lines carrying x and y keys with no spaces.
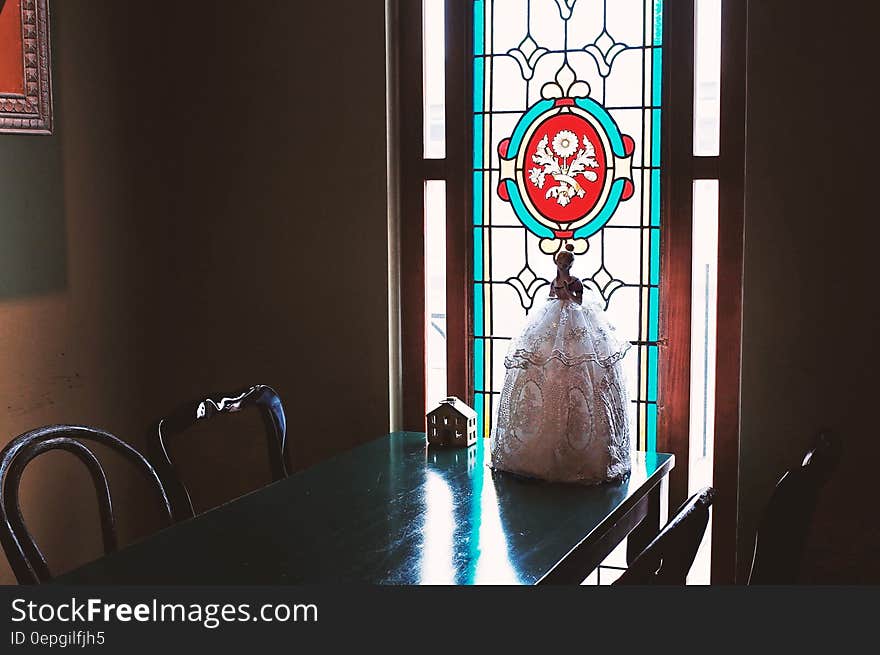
{"x":651,"y":421}
{"x":478,"y":142}
{"x":657,"y":86}
{"x":655,"y":257}
{"x":479,"y":12}
{"x":653,"y":313}
{"x":478,"y":212}
{"x":655,"y":137}
{"x":479,"y":400}
{"x":652,"y":373}
{"x":658,"y":22}
{"x":479,"y":317}
{"x":655,"y":196}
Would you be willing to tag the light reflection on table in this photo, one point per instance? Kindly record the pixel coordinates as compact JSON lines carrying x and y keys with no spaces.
{"x":462,"y":524}
{"x":391,"y":511}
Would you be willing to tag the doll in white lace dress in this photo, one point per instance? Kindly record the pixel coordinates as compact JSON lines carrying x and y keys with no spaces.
{"x":563,"y":410}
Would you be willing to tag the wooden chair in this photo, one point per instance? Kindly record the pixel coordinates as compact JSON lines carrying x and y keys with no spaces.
{"x":260,"y":396}
{"x":669,"y":556}
{"x":782,"y":532}
{"x":27,"y":561}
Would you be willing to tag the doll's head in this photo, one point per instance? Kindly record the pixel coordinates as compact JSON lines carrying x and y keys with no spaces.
{"x":564,"y":258}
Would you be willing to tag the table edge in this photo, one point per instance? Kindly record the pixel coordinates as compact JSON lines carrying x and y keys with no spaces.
{"x":619,"y":513}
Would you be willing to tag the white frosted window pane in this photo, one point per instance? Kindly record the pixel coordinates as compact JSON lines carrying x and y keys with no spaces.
{"x":624,"y":20}
{"x":508,"y":84}
{"x":704,"y":302}
{"x":622,"y":254}
{"x":502,"y":212}
{"x":707,"y":78}
{"x":630,"y":213}
{"x":435,"y":291}
{"x":434,"y":55}
{"x":507,"y":253}
{"x":624,"y":86}
{"x":585,"y":23}
{"x":633,"y":122}
{"x":545,"y":25}
{"x":508,"y":317}
{"x":623,"y":312}
{"x":502,"y":127}
{"x":508,"y":25}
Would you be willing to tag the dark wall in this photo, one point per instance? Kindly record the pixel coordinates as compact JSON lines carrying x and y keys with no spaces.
{"x":210,"y":213}
{"x":810,"y":355}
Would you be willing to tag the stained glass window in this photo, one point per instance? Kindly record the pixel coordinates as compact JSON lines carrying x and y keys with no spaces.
{"x":567,"y":110}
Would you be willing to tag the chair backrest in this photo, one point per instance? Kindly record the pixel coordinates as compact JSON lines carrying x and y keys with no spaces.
{"x":669,"y":556}
{"x":782,"y":532}
{"x":27,"y":561}
{"x":260,"y":396}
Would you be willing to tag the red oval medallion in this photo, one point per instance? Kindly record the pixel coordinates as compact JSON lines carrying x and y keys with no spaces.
{"x":565,"y":168}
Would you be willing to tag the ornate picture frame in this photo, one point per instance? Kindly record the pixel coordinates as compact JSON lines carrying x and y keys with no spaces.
{"x":25,"y":77}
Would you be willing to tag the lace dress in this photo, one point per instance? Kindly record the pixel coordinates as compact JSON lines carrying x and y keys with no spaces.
{"x":563,"y":409}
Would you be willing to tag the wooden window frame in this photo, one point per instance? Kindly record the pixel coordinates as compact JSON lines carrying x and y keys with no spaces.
{"x":414,"y":171}
{"x":680,"y":169}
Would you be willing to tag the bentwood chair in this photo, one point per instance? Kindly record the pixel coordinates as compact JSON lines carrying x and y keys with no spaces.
{"x":782,"y":532}
{"x":670,"y":555}
{"x":184,"y":417}
{"x":27,"y":561}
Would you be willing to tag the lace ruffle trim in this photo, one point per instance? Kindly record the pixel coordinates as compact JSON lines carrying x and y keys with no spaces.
{"x":522,"y":358}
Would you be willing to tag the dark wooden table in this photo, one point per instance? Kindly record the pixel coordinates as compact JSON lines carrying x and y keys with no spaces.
{"x":393,"y":511}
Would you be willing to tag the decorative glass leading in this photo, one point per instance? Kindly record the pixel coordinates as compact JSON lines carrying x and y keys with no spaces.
{"x":567,"y":97}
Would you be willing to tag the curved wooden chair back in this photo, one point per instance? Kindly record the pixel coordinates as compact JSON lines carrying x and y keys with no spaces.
{"x":27,"y":561}
{"x":260,"y":396}
{"x":670,"y":555}
{"x":781,"y":537}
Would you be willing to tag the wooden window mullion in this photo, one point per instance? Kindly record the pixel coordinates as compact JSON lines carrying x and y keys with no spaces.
{"x":412,"y":215}
{"x":673,"y":425}
{"x":459,"y":148}
{"x":730,"y":278}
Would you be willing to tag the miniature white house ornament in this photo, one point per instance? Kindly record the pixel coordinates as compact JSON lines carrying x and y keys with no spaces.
{"x":451,"y":423}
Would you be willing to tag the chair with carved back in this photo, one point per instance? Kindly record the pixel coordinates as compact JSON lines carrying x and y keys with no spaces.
{"x":186,"y":416}
{"x":670,"y":555}
{"x":781,"y":537}
{"x":25,"y":557}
